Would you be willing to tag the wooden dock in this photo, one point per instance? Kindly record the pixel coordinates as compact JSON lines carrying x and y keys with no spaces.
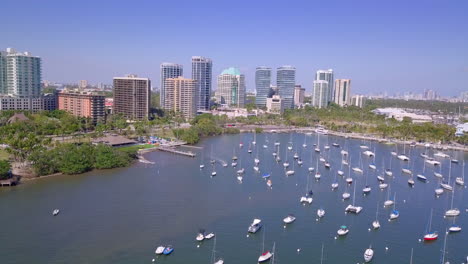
{"x":9,"y":182}
{"x":175,"y":151}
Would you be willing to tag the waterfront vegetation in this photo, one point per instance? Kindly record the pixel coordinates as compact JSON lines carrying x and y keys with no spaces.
{"x":5,"y":168}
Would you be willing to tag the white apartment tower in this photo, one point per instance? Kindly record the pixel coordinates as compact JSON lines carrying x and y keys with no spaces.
{"x":326,"y":75}
{"x":231,"y":88}
{"x":342,"y":92}
{"x":320,"y":95}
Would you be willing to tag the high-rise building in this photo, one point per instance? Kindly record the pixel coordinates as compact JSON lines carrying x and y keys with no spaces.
{"x":168,"y":70}
{"x":320,"y":94}
{"x":342,"y":92}
{"x":82,"y":104}
{"x":82,"y":84}
{"x":132,"y":96}
{"x":358,"y":100}
{"x":202,"y":69}
{"x":326,"y":75}
{"x":286,"y":81}
{"x":299,"y":94}
{"x":181,"y":96}
{"x":20,"y":74}
{"x":231,"y":88}
{"x":262,"y":85}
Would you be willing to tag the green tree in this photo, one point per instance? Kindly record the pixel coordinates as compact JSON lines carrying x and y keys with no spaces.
{"x":5,"y":169}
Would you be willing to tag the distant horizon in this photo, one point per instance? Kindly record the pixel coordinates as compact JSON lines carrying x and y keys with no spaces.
{"x":379,"y":46}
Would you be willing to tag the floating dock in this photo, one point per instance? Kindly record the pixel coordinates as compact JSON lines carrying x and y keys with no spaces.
{"x":175,"y":151}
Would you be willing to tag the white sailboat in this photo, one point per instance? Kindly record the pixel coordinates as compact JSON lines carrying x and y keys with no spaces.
{"x":388,"y":202}
{"x":446,"y":185}
{"x":290,"y":172}
{"x":461,"y":180}
{"x":308,"y":196}
{"x":358,"y":169}
{"x":452,"y":211}
{"x":213,"y":256}
{"x":266,"y":255}
{"x":395,"y":213}
{"x":352,"y":208}
{"x":320,"y":212}
{"x":376,"y":223}
{"x":368,"y":254}
{"x":388,"y":171}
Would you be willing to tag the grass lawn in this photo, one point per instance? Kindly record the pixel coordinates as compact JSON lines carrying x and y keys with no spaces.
{"x":136,"y":147}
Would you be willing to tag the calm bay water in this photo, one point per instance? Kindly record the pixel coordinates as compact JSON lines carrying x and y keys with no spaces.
{"x":120,"y":216}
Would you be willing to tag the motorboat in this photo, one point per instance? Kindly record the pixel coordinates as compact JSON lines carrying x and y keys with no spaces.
{"x":320,"y":213}
{"x":411,"y":182}
{"x":249,"y":150}
{"x":322,"y":159}
{"x":407,"y":171}
{"x":241,"y":171}
{"x":455,"y":228}
{"x":340,"y":172}
{"x":353,"y":209}
{"x":168,"y":250}
{"x":357,"y":170}
{"x":311,"y":169}
{"x":159,"y":250}
{"x":326,"y":147}
{"x":367,"y":189}
{"x":388,"y":172}
{"x":200,"y":236}
{"x":304,"y":145}
{"x":439,"y":191}
{"x":234,"y":164}
{"x":265,"y":146}
{"x":421,"y":177}
{"x":321,"y":131}
{"x":55,"y":212}
{"x":269,"y":183}
{"x":255,"y":226}
{"x":363,"y":147}
{"x":394,"y":215}
{"x":343,"y":230}
{"x":380,"y":178}
{"x":403,"y":157}
{"x":289,"y":219}
{"x":368,"y":255}
{"x":213,"y":173}
{"x":289,"y":172}
{"x":209,"y":236}
{"x":346,"y":195}
{"x":202,"y":166}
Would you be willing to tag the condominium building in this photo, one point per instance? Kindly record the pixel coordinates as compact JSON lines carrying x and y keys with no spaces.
{"x":132,"y":96}
{"x":274,"y":104}
{"x":20,"y":74}
{"x":168,"y":70}
{"x":320,"y":94}
{"x":231,"y":88}
{"x":342,"y":92}
{"x":82,"y":104}
{"x":202,"y":69}
{"x":299,"y":94}
{"x":181,"y":96}
{"x":326,"y":75}
{"x":358,"y":100}
{"x":82,"y":84}
{"x":286,"y":81}
{"x":262,"y":85}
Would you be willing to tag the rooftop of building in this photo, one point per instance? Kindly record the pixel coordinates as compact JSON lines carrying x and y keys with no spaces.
{"x":231,"y":71}
{"x":131,"y":77}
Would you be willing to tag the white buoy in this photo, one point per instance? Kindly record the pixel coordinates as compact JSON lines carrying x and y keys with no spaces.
{"x":335,"y":237}
{"x":386,"y":248}
{"x":247,"y":235}
{"x":153,"y":260}
{"x":316,"y":219}
{"x":250,"y":197}
{"x":284,"y":226}
{"x":298,"y":250}
{"x":198,"y":246}
{"x":404,"y":201}
{"x":296,"y":184}
{"x":368,"y":229}
{"x":419,"y":240}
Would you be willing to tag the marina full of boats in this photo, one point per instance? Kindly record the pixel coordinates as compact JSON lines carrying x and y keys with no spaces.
{"x":349,"y":202}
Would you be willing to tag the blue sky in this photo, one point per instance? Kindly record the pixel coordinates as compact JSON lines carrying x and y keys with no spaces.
{"x":395,"y":46}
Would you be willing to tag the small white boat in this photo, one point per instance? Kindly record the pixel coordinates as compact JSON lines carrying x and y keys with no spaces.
{"x":353,"y":209}
{"x":346,"y":195}
{"x":334,"y":185}
{"x":317,"y":175}
{"x":335,"y":144}
{"x":306,"y":199}
{"x":364,"y":147}
{"x":304,"y":145}
{"x":393,"y":153}
{"x":317,"y":150}
{"x":240,"y":178}
{"x":234,"y":164}
{"x":455,"y":228}
{"x":380,"y":178}
{"x":388,"y":203}
{"x":241,"y":171}
{"x":159,"y":250}
{"x":296,"y":156}
{"x":274,"y":154}
{"x":421,"y":177}
{"x":344,"y":152}
{"x":255,"y":226}
{"x":403,"y":157}
{"x":311,"y":169}
{"x":411,"y":182}
{"x":257,"y":161}
{"x":438,"y":175}
{"x":277,"y":143}
{"x":289,"y":219}
{"x":349,"y":180}
{"x":439,"y":191}
{"x":326,"y":147}
{"x":256,"y":168}
{"x":322,"y":159}
{"x":388,"y":172}
{"x":200,"y":237}
{"x":452,"y":212}
{"x":357,"y":170}
{"x":265,"y":146}
{"x":432,"y":162}
{"x":372,"y":166}
{"x":366,"y":189}
{"x":407,"y":171}
{"x":286,"y":164}
{"x":289,"y":172}
{"x":55,"y":212}
{"x":202,"y":166}
{"x":446,"y":186}
{"x":340,"y":172}
{"x":368,"y":255}
{"x":441,"y":155}
{"x":460,"y":181}
{"x":376,"y":224}
{"x":265,"y":256}
{"x":320,"y":213}
{"x":343,"y":231}
{"x":368,"y":153}
{"x":209,"y":236}
{"x":249,"y":151}
{"x":289,"y":147}
{"x":344,"y":162}
{"x":383,"y":186}
{"x":241,"y":145}
{"x":327,"y":165}
{"x":213,"y":173}
{"x":269,"y":183}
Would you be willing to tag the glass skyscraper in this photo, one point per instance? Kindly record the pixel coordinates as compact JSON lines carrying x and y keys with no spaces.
{"x":202,"y":73}
{"x":286,"y":82}
{"x":168,"y":70}
{"x":262,"y":85}
{"x":326,"y":75}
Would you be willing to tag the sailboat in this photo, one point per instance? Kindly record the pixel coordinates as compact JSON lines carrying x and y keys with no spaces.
{"x":388,"y":171}
{"x":213,"y":173}
{"x":376,"y":223}
{"x":202,"y":165}
{"x":452,"y":211}
{"x":358,"y":169}
{"x":290,"y":172}
{"x":421,"y":177}
{"x":213,"y":256}
{"x":461,"y":180}
{"x":317,"y":148}
{"x":286,"y":163}
{"x":367,"y":189}
{"x":320,"y":212}
{"x":388,"y":202}
{"x":321,"y":257}
{"x":317,"y":173}
{"x":430,"y":236}
{"x":334,"y":185}
{"x":395,"y":214}
{"x":308,"y":196}
{"x":368,"y":254}
{"x":305,"y":141}
{"x":254,"y":142}
{"x":443,"y":251}
{"x":250,"y":148}
{"x":446,"y":185}
{"x":352,"y":208}
{"x":266,"y":255}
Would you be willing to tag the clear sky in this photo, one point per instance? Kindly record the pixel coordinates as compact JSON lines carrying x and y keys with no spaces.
{"x":395,"y":46}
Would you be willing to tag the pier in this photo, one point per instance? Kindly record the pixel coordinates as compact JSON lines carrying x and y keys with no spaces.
{"x":175,"y":151}
{"x":9,"y":182}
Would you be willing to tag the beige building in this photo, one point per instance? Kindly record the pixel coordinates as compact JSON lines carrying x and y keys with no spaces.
{"x":274,"y":104}
{"x":181,"y":96}
{"x":342,"y":92}
{"x":298,"y":95}
{"x":358,"y":100}
{"x":231,"y":88}
{"x":82,"y":84}
{"x":132,"y":97}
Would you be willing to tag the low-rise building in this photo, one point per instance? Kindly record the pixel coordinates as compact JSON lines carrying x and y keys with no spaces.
{"x":358,"y":100}
{"x":462,"y":129}
{"x":16,"y":103}
{"x":274,"y":104}
{"x":399,"y":114}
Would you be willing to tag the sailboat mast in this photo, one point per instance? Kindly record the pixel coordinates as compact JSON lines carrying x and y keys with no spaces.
{"x":321,"y":258}
{"x":411,"y":259}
